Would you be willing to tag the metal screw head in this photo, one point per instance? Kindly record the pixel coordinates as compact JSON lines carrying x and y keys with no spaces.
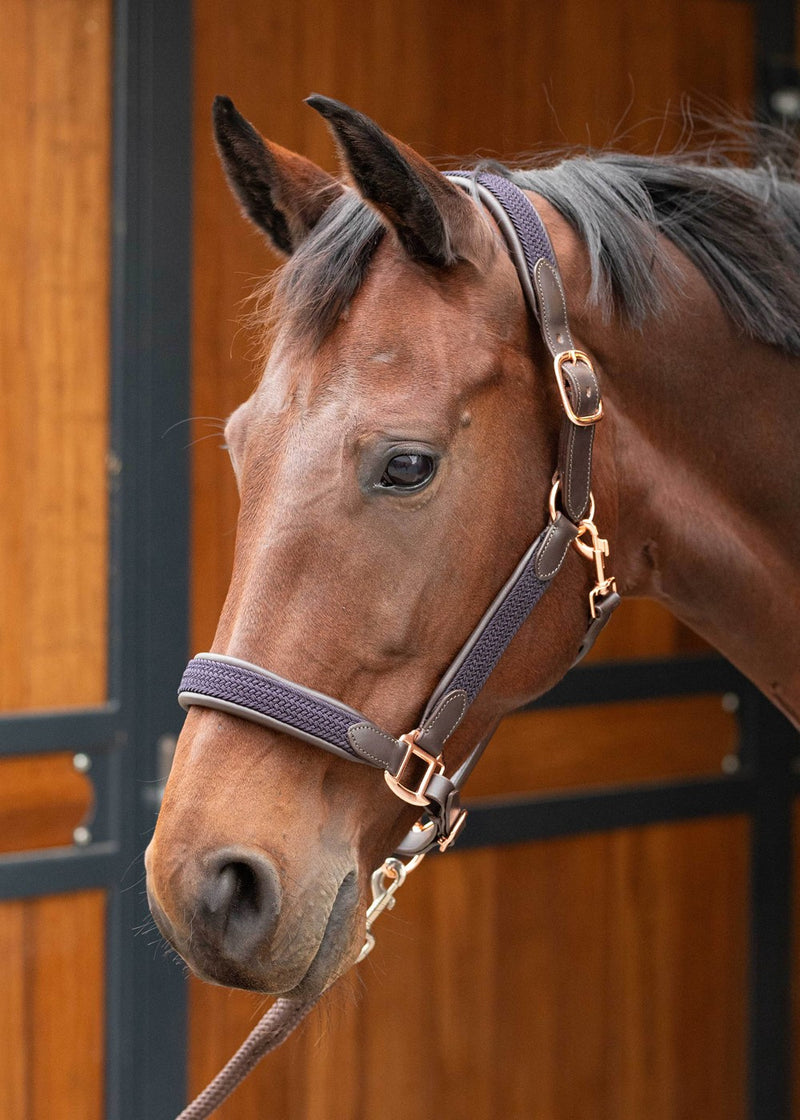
{"x":785,"y":102}
{"x":731,"y":764}
{"x":81,"y":762}
{"x":82,"y":836}
{"x":730,"y":702}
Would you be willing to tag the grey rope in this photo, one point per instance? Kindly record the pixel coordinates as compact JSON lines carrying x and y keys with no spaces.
{"x":273,"y":1029}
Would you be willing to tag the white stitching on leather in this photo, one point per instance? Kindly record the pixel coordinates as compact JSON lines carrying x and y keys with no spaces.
{"x":546,"y":541}
{"x":454,"y":698}
{"x":541,"y":264}
{"x":557,"y":277}
{"x":360,"y":749}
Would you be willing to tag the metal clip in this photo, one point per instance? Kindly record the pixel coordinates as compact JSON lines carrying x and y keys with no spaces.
{"x":386,"y":882}
{"x":597,"y":551}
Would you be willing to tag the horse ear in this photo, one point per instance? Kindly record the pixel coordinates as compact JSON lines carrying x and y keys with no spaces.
{"x":282,"y":193}
{"x":434,"y":220}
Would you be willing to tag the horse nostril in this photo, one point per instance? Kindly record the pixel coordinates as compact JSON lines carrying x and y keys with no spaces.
{"x":239,"y":901}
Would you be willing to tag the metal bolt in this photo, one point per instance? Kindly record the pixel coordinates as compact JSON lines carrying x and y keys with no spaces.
{"x":82,"y":836}
{"x":81,"y":762}
{"x":785,"y":102}
{"x":731,"y":764}
{"x":730,"y":702}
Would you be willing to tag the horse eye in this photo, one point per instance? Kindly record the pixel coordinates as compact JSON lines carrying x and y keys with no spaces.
{"x":409,"y":470}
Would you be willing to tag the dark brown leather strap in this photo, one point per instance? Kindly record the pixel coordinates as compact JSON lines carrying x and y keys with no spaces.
{"x":576,"y":441}
{"x":604,"y":608}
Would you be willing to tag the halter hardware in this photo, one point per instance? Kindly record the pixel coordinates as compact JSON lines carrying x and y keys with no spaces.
{"x":433,"y":765}
{"x":385,"y":883}
{"x":445,"y":842}
{"x":597,"y":551}
{"x":253,"y":693}
{"x":575,"y":356}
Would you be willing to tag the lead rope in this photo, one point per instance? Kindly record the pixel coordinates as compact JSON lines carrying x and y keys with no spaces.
{"x":273,"y":1029}
{"x":286,"y":1015}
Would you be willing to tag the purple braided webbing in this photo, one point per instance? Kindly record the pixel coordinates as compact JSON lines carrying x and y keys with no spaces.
{"x":273,"y":1029}
{"x":271,"y":697}
{"x":529,"y":226}
{"x":498,"y":632}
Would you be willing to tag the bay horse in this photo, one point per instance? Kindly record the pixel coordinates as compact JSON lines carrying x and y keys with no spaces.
{"x":396,"y":459}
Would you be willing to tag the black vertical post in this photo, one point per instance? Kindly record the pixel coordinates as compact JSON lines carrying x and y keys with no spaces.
{"x":150,"y":391}
{"x":777,"y":83}
{"x":771,"y":744}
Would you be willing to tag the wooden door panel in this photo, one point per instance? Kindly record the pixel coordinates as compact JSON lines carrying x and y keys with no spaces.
{"x":43,"y":799}
{"x":55,"y":65}
{"x":606,"y":745}
{"x":52,"y":1007}
{"x":55,"y":84}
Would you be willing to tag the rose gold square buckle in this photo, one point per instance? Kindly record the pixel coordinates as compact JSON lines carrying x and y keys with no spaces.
{"x":432,"y":766}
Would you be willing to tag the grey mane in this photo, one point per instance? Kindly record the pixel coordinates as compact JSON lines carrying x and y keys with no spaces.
{"x":740,"y":227}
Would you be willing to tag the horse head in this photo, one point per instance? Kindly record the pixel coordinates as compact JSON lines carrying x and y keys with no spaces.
{"x":393,"y":464}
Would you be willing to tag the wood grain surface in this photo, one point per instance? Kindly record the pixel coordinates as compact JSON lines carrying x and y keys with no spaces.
{"x":51,"y":1007}
{"x":54,"y":246}
{"x":606,"y":745}
{"x":42,"y":800}
{"x":55,"y":81}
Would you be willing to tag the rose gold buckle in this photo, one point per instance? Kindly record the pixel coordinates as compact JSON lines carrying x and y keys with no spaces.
{"x":445,"y":841}
{"x":575,"y":356}
{"x":433,"y":766}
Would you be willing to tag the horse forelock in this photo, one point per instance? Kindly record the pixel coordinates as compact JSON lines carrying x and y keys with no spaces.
{"x":307,"y":296}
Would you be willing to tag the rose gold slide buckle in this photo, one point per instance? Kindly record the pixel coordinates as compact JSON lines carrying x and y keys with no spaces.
{"x":432,"y":766}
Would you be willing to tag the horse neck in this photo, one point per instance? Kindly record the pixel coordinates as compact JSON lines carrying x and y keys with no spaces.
{"x":701,"y":441}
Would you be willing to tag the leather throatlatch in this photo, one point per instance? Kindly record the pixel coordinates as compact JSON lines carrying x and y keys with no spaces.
{"x":413,"y":763}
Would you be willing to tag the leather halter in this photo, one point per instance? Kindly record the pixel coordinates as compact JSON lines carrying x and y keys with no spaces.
{"x":413,"y":764}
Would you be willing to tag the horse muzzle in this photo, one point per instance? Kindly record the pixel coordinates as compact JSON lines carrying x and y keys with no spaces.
{"x":225,"y":915}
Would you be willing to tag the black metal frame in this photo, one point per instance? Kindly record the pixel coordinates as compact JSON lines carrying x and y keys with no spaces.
{"x":775,"y":57}
{"x":150,"y":315}
{"x":148,"y":561}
